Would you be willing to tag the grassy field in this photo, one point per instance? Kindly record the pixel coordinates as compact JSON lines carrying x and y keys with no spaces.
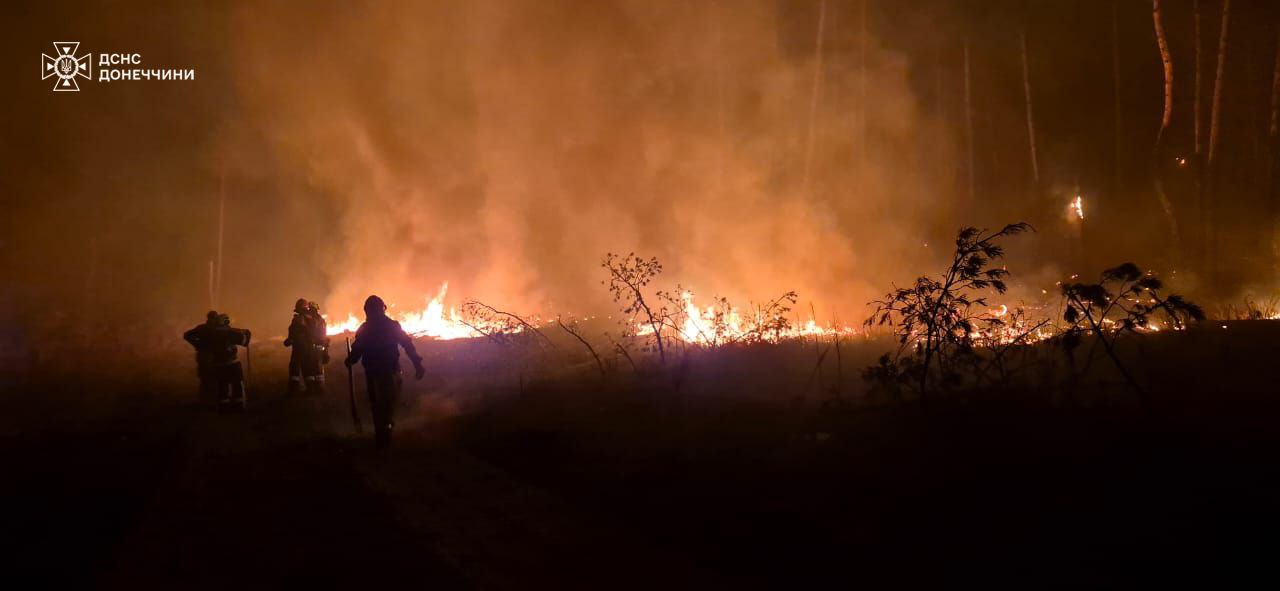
{"x":736,"y":467}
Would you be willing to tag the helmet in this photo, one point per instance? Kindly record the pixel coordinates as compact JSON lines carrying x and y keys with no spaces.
{"x":374,"y":306}
{"x":300,"y":306}
{"x":211,"y":317}
{"x":313,"y":307}
{"x":224,"y":320}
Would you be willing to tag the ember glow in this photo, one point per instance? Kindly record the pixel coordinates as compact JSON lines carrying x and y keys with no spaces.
{"x":1077,"y":207}
{"x":708,"y":326}
{"x":712,"y":325}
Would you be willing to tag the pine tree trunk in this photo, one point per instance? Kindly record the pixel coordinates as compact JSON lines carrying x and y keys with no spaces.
{"x":1117,"y":171}
{"x":814,"y":96}
{"x":1215,"y":112}
{"x":1165,"y":118}
{"x":718,"y":60}
{"x":863,"y":150}
{"x":213,"y":302}
{"x":1273,"y":143}
{"x":1216,"y":108}
{"x":1199,"y":84}
{"x":1201,"y":213}
{"x":968,"y":128}
{"x":1031,"y":126}
{"x":222,"y":210}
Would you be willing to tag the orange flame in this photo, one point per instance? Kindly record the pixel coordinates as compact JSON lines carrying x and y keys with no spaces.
{"x":431,"y":321}
{"x":711,"y":326}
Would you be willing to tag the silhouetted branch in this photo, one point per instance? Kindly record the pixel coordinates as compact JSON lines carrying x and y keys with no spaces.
{"x":575,"y":334}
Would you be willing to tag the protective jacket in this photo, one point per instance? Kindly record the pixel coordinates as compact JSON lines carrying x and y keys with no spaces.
{"x":215,"y":344}
{"x":377,"y":346}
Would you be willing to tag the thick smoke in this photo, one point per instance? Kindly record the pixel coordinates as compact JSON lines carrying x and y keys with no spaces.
{"x":505,"y":147}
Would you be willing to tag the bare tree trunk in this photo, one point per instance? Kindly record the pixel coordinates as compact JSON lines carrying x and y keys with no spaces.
{"x":968,"y":127}
{"x":1167,"y":61}
{"x":213,"y":303}
{"x":1115,"y":87}
{"x":1031,"y":126}
{"x":1274,"y":130}
{"x":1199,"y":85}
{"x":1216,"y":108}
{"x":718,"y":59}
{"x":1199,"y":142}
{"x":222,"y":210}
{"x":1273,"y":135}
{"x":813,"y":97}
{"x":1257,"y":139}
{"x":1166,"y":116}
{"x":1215,"y":112}
{"x":862,"y":99}
{"x":942,"y":110}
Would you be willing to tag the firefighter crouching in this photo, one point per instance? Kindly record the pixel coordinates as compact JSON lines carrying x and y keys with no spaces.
{"x":221,"y":375}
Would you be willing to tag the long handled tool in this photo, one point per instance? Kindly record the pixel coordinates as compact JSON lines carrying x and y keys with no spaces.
{"x":351,"y":391}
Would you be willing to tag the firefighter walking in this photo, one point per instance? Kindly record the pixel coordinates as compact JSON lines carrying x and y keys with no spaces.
{"x":377,"y":347}
{"x":221,"y":376}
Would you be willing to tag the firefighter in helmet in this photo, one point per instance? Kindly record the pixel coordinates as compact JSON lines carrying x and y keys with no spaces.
{"x":310,"y":348}
{"x":377,"y":346}
{"x":220,"y":372}
{"x":204,"y":359}
{"x":319,"y":336}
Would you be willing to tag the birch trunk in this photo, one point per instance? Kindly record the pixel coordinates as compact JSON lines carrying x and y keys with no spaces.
{"x":1031,"y":126}
{"x":1273,"y":143}
{"x":1199,"y":84}
{"x":862,"y":98}
{"x":1166,"y":116}
{"x":718,"y":61}
{"x":813,"y":97}
{"x":968,"y":127}
{"x":1215,"y":112}
{"x":1115,"y":87}
{"x":222,"y":210}
{"x":1198,"y":109}
{"x":1216,"y":108}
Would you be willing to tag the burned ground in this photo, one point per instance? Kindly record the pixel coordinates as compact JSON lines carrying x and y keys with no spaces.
{"x":743,"y":469}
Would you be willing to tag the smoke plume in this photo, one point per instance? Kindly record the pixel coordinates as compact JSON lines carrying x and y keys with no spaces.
{"x":506,"y":146}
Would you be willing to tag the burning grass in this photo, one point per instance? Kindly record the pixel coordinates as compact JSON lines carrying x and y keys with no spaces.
{"x":952,"y":334}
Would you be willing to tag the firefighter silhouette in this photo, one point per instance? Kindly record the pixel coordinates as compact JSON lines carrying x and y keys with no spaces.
{"x":221,"y":376}
{"x":310,"y":344}
{"x":377,"y":347}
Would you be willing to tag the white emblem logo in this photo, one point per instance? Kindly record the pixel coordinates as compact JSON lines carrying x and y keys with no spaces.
{"x":66,"y":66}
